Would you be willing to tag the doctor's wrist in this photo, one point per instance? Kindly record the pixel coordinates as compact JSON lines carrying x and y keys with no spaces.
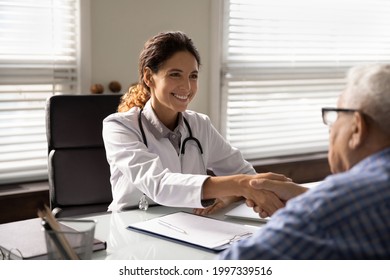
{"x":222,"y":186}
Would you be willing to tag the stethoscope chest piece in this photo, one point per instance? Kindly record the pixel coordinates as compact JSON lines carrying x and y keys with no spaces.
{"x":143,"y":203}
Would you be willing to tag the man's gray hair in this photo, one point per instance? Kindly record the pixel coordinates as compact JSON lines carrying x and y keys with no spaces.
{"x":368,"y":89}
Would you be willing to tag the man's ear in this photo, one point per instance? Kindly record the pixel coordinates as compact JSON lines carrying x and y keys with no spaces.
{"x":148,"y":77}
{"x":359,"y":131}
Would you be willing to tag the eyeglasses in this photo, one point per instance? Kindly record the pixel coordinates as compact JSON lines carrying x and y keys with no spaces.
{"x":13,"y":254}
{"x":329,"y":115}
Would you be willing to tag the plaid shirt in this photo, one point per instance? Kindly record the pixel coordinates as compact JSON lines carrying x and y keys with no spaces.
{"x":345,"y":217}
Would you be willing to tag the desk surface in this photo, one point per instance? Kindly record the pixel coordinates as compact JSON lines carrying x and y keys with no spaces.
{"x":124,"y":244}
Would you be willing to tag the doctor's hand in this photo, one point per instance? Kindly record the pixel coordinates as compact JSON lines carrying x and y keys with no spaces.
{"x":238,"y":186}
{"x":265,"y":203}
{"x":285,"y":190}
{"x":217,"y":205}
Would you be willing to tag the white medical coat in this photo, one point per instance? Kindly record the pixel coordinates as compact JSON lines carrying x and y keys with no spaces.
{"x":156,"y":169}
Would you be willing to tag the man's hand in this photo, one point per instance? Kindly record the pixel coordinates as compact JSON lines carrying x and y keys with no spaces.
{"x":265,"y":203}
{"x":238,"y":185}
{"x":218,"y":204}
{"x":284,"y":190}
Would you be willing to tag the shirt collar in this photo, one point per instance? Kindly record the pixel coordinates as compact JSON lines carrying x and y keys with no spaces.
{"x":156,"y":127}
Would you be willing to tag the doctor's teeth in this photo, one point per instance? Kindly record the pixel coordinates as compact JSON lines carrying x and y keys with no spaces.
{"x":180,"y":96}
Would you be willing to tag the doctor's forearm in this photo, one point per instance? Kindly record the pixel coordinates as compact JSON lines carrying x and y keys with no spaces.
{"x":237,"y":185}
{"x":222,"y":186}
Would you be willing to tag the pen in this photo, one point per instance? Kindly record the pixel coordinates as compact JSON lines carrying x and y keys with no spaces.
{"x":50,"y":223}
{"x":161,"y":222}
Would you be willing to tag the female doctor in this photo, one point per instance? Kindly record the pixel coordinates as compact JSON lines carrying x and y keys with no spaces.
{"x":159,"y":152}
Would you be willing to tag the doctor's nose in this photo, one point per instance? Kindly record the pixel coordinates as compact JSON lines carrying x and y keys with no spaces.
{"x":185,"y":85}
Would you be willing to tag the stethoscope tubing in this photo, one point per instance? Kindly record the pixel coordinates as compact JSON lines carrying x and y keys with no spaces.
{"x":182,"y":150}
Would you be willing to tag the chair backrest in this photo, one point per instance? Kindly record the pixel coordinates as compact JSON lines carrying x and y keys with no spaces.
{"x":79,"y":175}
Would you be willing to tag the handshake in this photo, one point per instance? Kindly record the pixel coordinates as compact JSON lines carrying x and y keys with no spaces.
{"x":270,"y":192}
{"x":264,"y":192}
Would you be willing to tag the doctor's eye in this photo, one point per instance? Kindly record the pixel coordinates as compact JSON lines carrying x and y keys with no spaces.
{"x":194,"y":76}
{"x":175,"y":74}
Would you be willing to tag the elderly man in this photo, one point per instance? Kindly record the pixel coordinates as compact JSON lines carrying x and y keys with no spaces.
{"x":348,"y":215}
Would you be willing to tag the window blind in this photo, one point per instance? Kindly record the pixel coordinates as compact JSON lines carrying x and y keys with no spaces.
{"x":38,"y":58}
{"x":284,"y":60}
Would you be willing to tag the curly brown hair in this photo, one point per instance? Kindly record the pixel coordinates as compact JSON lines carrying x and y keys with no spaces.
{"x":156,"y":51}
{"x":136,"y":96}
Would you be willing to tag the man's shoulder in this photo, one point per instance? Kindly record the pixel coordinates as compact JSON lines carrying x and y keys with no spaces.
{"x":355,"y":179}
{"x":352,"y":190}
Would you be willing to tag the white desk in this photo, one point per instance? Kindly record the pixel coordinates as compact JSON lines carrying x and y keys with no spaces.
{"x":124,"y":244}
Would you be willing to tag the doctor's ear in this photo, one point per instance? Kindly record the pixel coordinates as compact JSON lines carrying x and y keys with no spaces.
{"x":148,"y":77}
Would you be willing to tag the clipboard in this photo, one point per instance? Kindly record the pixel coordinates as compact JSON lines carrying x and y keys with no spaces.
{"x":193,"y":230}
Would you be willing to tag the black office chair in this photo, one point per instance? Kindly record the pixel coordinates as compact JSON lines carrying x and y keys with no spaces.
{"x":79,"y":175}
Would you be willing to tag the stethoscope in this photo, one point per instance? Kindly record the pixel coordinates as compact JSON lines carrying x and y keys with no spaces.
{"x":143,"y":203}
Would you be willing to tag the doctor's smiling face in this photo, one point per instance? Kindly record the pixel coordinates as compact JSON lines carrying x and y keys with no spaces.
{"x":173,"y":86}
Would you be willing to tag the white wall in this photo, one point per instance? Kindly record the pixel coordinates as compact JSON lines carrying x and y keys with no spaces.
{"x":119,"y":29}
